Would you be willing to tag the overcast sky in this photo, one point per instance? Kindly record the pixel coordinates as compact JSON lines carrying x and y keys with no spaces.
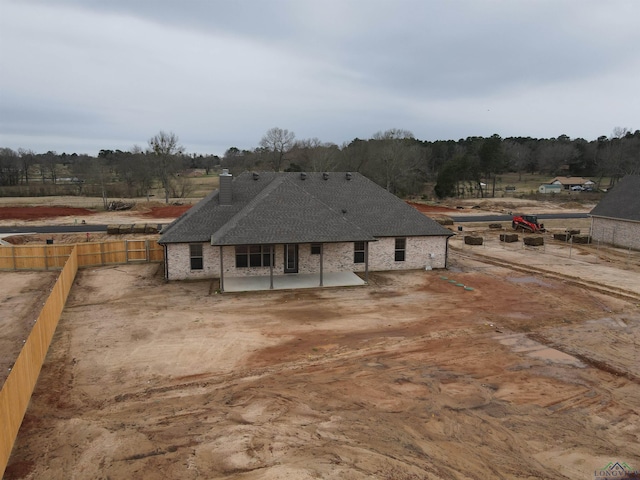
{"x":83,"y":75}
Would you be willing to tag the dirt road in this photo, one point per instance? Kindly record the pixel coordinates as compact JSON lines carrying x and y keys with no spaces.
{"x":411,"y":377}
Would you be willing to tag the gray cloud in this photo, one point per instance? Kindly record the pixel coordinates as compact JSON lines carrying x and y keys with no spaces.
{"x":221,"y":73}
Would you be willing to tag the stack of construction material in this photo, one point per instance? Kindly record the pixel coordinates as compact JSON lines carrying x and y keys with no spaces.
{"x":470,"y":240}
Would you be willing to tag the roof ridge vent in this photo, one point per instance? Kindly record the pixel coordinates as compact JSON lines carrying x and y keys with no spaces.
{"x":256,"y":175}
{"x":325,"y":176}
{"x":348,"y":176}
{"x":303,"y":176}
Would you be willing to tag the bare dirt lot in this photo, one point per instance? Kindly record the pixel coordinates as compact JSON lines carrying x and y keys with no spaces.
{"x":521,"y":375}
{"x":21,"y":298}
{"x":411,"y":377}
{"x":63,"y":215}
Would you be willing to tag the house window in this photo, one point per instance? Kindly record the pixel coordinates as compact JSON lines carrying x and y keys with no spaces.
{"x":401,"y":248}
{"x":253,"y":256}
{"x":358,"y":252}
{"x":195,"y":256}
{"x":316,"y":248}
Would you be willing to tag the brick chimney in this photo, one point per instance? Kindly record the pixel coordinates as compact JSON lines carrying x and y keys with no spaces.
{"x":225,"y":195}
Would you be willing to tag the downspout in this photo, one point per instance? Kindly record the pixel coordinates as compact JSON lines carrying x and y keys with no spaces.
{"x":271,"y":252}
{"x":446,"y":254}
{"x":221,"y":271}
{"x":166,"y":262}
{"x":321,"y":261}
{"x":366,"y":263}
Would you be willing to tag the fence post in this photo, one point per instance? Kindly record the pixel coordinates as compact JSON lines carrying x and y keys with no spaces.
{"x":46,"y":258}
{"x":146,"y":250}
{"x":102,"y":253}
{"x":570,"y":245}
{"x":13,"y":251}
{"x":126,"y":251}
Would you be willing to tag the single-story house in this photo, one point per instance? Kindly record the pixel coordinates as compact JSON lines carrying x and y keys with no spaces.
{"x":616,"y":218}
{"x":569,"y":182}
{"x":550,"y":188}
{"x":265,"y":224}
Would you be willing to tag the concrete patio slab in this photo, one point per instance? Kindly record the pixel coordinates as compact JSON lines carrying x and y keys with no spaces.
{"x":291,"y":281}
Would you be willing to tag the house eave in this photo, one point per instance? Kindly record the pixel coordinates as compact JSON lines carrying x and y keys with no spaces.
{"x":619,"y":219}
{"x":291,"y":241}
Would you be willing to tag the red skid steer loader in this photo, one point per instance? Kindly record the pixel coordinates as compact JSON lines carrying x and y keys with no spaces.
{"x":527,"y":223}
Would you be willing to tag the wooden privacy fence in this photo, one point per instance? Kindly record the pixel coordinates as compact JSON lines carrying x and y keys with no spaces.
{"x":19,"y":385}
{"x":53,"y":257}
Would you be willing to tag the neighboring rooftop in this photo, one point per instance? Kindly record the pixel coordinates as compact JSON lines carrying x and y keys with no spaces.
{"x":571,"y":181}
{"x":622,"y":201}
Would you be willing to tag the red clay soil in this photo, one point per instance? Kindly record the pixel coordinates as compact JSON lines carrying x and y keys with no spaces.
{"x":34,"y":213}
{"x":168,"y":211}
{"x":430,"y":208}
{"x":40,"y":212}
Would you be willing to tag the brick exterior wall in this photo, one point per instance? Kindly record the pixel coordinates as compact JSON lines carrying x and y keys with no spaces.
{"x":421,"y":252}
{"x":619,"y":233}
{"x":179,"y":262}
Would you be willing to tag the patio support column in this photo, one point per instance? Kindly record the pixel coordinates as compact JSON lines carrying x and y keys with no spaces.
{"x":321,"y":261}
{"x":366,"y":262}
{"x":271,"y":252}
{"x":221,"y":271}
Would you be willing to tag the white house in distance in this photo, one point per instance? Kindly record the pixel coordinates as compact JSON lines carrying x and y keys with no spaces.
{"x":266,"y":224}
{"x":550,"y":188}
{"x":570,"y":182}
{"x":616,"y":218}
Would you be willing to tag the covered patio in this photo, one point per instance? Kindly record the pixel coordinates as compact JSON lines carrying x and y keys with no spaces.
{"x":291,"y":281}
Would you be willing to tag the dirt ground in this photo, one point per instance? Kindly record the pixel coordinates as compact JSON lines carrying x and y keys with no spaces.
{"x":146,"y":213}
{"x":21,"y":298}
{"x":151,"y":212}
{"x":518,"y":375}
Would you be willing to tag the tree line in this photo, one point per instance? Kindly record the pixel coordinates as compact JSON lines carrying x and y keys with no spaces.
{"x":132,"y":173}
{"x":394,"y":159}
{"x":403,"y":164}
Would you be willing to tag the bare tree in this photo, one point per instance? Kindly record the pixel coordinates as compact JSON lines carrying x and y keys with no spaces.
{"x":9,"y":167}
{"x":519,"y":156}
{"x":395,"y":156}
{"x":27,"y":158}
{"x":95,"y":172}
{"x":314,"y":156}
{"x":49,"y":163}
{"x":277,"y":142}
{"x":621,"y":154}
{"x":165,"y":148}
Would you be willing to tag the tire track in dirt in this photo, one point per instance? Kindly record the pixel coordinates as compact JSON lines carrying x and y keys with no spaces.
{"x":618,"y":292}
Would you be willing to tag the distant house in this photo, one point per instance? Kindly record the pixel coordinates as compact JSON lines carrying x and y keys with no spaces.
{"x":550,"y":188}
{"x":310,"y":223}
{"x":569,"y":182}
{"x":616,"y":218}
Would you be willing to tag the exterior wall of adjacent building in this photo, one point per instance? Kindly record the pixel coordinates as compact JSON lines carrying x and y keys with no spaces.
{"x":619,"y":233}
{"x":554,"y":188}
{"x":420,"y":253}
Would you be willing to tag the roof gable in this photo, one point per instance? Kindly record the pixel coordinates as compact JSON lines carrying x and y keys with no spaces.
{"x":306,"y":219}
{"x":301,"y":208}
{"x":622,"y":201}
{"x":571,"y":181}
